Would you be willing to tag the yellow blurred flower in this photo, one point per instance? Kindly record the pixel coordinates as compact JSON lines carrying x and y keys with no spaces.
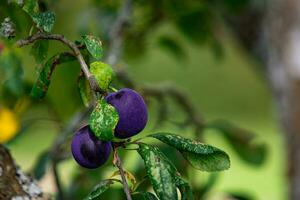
{"x":9,"y":125}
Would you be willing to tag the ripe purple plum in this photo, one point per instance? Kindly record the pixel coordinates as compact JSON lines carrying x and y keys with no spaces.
{"x":89,"y":151}
{"x":132,"y":111}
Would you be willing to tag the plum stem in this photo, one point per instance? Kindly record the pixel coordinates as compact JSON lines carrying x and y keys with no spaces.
{"x":118,"y":163}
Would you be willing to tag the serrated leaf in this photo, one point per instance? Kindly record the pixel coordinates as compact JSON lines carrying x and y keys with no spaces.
{"x":40,"y":166}
{"x":41,"y":86}
{"x":84,"y":90}
{"x":103,"y":73}
{"x":184,"y":188}
{"x":103,"y":120}
{"x":94,"y":46}
{"x":144,"y":196}
{"x":159,"y":172}
{"x":31,"y":6}
{"x":44,"y":20}
{"x":201,"y":156}
{"x":39,"y":50}
{"x":242,"y":142}
{"x":99,"y":189}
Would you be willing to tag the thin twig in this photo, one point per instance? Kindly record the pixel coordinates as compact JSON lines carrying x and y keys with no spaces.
{"x":71,"y":45}
{"x":57,"y":181}
{"x":57,"y":153}
{"x":116,"y":40}
{"x":118,"y":163}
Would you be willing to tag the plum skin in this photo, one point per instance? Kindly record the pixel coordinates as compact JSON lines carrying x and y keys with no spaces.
{"x":132,"y":111}
{"x":89,"y":151}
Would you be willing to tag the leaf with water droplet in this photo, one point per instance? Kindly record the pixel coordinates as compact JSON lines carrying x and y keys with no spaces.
{"x":44,"y":20}
{"x":103,"y":120}
{"x":99,"y":189}
{"x":94,"y":46}
{"x":201,"y":156}
{"x":159,"y":172}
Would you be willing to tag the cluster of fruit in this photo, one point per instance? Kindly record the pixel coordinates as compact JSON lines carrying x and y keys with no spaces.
{"x":91,"y":152}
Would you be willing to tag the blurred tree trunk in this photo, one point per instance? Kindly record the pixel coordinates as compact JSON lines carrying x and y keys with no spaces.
{"x":282,"y":43}
{"x":272,"y":34}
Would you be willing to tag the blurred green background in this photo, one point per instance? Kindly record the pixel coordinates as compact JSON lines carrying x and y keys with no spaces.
{"x":228,"y":87}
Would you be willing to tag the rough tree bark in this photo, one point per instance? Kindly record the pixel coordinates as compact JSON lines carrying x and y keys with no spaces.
{"x":282,"y":40}
{"x":14,"y":184}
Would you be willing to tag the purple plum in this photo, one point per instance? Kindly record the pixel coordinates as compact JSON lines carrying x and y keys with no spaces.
{"x":132,"y":111}
{"x":89,"y":151}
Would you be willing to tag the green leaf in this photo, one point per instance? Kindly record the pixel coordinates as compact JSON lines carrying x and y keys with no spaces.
{"x":31,"y":6}
{"x":184,"y":188}
{"x":18,"y":2}
{"x":94,"y":46}
{"x":44,"y":20}
{"x":84,"y":90}
{"x":196,"y":24}
{"x":99,"y":189}
{"x":240,"y":196}
{"x":41,"y":86}
{"x":103,"y":73}
{"x":144,"y":196}
{"x":201,"y":156}
{"x":40,"y":166}
{"x":159,"y":172}
{"x":103,"y":120}
{"x":39,"y":50}
{"x":172,"y":45}
{"x":11,"y":72}
{"x":242,"y":141}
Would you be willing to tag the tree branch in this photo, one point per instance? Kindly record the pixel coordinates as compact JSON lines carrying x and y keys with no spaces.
{"x":118,"y":163}
{"x":193,"y":117}
{"x":116,"y":33}
{"x":57,"y":181}
{"x":72,"y":46}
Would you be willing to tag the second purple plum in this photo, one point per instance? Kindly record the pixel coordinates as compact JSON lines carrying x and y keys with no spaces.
{"x":89,"y":151}
{"x":132,"y":111}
